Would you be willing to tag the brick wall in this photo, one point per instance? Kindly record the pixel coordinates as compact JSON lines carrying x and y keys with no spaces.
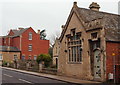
{"x":38,"y":46}
{"x":16,"y":42}
{"x":1,"y":41}
{"x":112,"y":47}
{"x":11,"y":33}
{"x":22,"y":42}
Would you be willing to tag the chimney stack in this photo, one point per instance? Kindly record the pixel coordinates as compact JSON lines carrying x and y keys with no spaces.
{"x":20,"y":28}
{"x":38,"y":32}
{"x":94,"y":6}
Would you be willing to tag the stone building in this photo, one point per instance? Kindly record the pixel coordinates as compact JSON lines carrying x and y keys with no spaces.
{"x":90,"y":44}
{"x":9,"y":54}
{"x":56,"y":48}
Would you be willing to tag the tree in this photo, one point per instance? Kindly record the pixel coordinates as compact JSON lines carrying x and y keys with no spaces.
{"x":43,"y":35}
{"x":53,"y":37}
{"x":50,"y":51}
{"x":46,"y":58}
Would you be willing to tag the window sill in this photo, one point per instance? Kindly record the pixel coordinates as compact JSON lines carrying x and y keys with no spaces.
{"x":75,"y":62}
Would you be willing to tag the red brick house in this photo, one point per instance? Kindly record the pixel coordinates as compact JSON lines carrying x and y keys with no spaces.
{"x":27,"y":41}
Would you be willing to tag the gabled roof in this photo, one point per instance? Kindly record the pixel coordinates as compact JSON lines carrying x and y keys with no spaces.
{"x":56,"y":42}
{"x":109,"y":21}
{"x":9,"y":49}
{"x":19,"y":32}
{"x":3,"y":36}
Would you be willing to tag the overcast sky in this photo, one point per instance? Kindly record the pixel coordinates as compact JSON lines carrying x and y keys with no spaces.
{"x":43,"y":14}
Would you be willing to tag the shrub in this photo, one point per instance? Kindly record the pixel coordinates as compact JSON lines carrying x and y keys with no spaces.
{"x":46,"y":58}
{"x":4,"y":63}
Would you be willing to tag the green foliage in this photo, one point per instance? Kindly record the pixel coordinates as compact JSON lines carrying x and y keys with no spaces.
{"x":46,"y":58}
{"x":4,"y":63}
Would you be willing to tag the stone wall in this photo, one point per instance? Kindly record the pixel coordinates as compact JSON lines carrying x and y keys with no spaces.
{"x":80,"y":70}
{"x":9,"y":56}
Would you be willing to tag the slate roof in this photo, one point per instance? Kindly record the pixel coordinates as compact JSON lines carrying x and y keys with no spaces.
{"x":19,"y":32}
{"x":16,"y":33}
{"x":110,"y":22}
{"x":9,"y":49}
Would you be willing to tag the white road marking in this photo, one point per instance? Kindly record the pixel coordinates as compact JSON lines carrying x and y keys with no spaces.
{"x":25,"y":81}
{"x":7,"y":75}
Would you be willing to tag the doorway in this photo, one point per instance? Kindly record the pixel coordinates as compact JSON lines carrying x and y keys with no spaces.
{"x":56,"y":62}
{"x":117,"y":73}
{"x":97,"y":64}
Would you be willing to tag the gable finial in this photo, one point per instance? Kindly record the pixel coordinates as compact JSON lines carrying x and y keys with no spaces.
{"x":75,"y":3}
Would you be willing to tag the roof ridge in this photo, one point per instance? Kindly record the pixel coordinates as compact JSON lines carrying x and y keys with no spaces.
{"x":99,"y":11}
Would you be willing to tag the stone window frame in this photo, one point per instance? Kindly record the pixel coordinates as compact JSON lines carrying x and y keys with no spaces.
{"x":56,"y":50}
{"x":94,"y":35}
{"x":74,"y":45}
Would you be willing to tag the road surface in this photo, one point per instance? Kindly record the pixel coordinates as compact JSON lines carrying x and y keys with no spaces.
{"x":10,"y":77}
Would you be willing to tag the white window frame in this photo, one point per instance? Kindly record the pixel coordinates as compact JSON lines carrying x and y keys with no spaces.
{"x":29,"y":57}
{"x":30,"y":35}
{"x":1,"y":58}
{"x":15,"y":57}
{"x":23,"y":58}
{"x":35,"y":57}
{"x":30,"y":47}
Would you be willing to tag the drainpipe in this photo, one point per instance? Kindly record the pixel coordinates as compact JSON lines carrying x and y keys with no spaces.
{"x":9,"y":41}
{"x":113,"y":54}
{"x":20,"y":42}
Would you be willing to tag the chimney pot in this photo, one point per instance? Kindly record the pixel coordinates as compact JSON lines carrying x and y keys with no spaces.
{"x":94,"y":6}
{"x":20,"y":28}
{"x":38,"y":32}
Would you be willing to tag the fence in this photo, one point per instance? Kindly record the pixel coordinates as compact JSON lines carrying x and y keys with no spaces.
{"x":30,"y":65}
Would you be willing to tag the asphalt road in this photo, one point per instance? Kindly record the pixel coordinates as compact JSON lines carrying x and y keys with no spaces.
{"x":10,"y":77}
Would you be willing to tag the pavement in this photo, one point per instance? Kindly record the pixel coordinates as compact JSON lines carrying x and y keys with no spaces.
{"x":53,"y":77}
